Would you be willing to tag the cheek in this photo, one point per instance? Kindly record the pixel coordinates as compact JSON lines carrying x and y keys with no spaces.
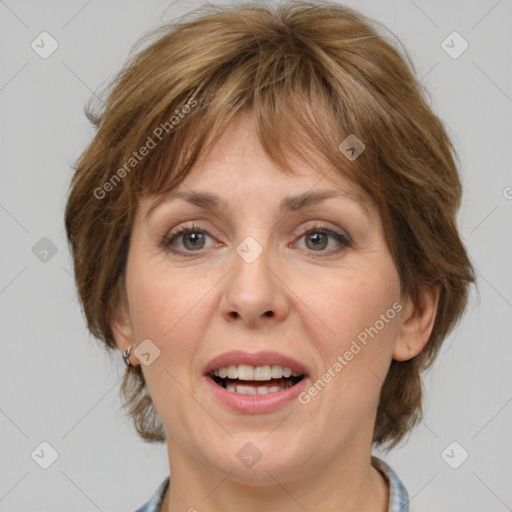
{"x":172,"y":309}
{"x":353,"y":329}
{"x":351,"y":304}
{"x":159,"y":297}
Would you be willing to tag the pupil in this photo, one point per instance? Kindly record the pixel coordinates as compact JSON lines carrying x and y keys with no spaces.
{"x":315,"y":238}
{"x":195,"y":237}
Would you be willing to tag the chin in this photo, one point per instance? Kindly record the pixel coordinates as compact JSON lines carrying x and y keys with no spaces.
{"x":257,"y":459}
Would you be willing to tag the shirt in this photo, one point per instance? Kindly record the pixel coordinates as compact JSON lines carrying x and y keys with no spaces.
{"x":398,"y":497}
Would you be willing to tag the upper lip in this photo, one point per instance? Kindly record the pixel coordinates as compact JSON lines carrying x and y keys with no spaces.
{"x":237,"y":357}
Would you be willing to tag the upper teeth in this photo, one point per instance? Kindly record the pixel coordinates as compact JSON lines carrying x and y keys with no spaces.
{"x":248,"y":372}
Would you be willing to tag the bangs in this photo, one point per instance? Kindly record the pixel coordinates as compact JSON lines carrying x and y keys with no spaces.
{"x":302,"y":130}
{"x":296,"y":111}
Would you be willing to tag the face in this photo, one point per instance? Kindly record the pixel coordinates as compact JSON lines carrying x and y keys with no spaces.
{"x":312,"y":282}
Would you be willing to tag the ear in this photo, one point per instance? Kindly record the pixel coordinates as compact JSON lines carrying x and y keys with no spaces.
{"x":417,"y":322}
{"x":121,"y":325}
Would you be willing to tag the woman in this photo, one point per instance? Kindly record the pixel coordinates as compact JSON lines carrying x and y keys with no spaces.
{"x":264,"y":225}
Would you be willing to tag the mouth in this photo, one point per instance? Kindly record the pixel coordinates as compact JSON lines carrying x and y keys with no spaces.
{"x":255,"y":374}
{"x":255,"y":380}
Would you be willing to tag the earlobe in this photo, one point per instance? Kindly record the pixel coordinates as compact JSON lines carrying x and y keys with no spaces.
{"x":417,"y":323}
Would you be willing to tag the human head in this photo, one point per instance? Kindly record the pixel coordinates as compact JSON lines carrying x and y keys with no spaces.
{"x":311,"y":75}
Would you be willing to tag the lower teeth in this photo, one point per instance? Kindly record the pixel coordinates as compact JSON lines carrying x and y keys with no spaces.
{"x":255,"y":390}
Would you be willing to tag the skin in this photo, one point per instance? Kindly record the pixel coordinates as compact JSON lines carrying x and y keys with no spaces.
{"x":315,"y":456}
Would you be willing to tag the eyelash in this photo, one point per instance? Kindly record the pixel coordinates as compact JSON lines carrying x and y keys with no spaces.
{"x":343,"y":240}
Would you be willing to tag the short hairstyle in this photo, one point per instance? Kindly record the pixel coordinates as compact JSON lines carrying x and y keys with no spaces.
{"x":310,"y":74}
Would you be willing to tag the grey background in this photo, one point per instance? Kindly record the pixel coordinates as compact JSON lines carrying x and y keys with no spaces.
{"x":58,"y":386}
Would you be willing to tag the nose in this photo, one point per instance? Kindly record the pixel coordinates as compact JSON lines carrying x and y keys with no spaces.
{"x":254,"y":293}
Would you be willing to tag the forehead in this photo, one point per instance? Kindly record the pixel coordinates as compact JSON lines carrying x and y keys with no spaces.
{"x":237,"y":169}
{"x":207,"y":195}
{"x":238,"y":159}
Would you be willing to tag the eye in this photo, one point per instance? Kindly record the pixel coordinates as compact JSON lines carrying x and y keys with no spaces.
{"x":317,"y":239}
{"x":191,"y":238}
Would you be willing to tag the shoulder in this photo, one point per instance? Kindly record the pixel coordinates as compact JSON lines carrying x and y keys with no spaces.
{"x":153,"y":505}
{"x":398,"y":496}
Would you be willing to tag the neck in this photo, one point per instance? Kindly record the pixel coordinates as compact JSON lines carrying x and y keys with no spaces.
{"x":344,"y":486}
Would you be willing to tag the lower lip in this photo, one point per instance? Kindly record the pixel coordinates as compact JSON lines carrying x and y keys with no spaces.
{"x":256,"y":403}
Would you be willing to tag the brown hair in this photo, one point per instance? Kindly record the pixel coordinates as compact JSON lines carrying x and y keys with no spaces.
{"x":311,"y":74}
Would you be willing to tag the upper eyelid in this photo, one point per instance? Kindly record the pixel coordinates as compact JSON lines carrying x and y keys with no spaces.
{"x":195,"y":226}
{"x":316,"y":225}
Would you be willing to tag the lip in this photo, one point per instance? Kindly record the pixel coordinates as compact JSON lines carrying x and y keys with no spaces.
{"x":255,"y":404}
{"x":236,"y":357}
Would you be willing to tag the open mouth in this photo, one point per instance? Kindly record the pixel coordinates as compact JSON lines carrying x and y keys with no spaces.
{"x":255,"y":380}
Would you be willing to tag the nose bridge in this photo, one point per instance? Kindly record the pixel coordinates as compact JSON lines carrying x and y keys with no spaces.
{"x":253,"y":293}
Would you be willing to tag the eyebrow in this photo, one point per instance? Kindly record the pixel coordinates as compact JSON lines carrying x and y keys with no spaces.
{"x":212,"y":202}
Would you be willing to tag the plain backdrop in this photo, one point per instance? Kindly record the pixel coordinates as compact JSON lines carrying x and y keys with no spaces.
{"x":58,"y":387}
